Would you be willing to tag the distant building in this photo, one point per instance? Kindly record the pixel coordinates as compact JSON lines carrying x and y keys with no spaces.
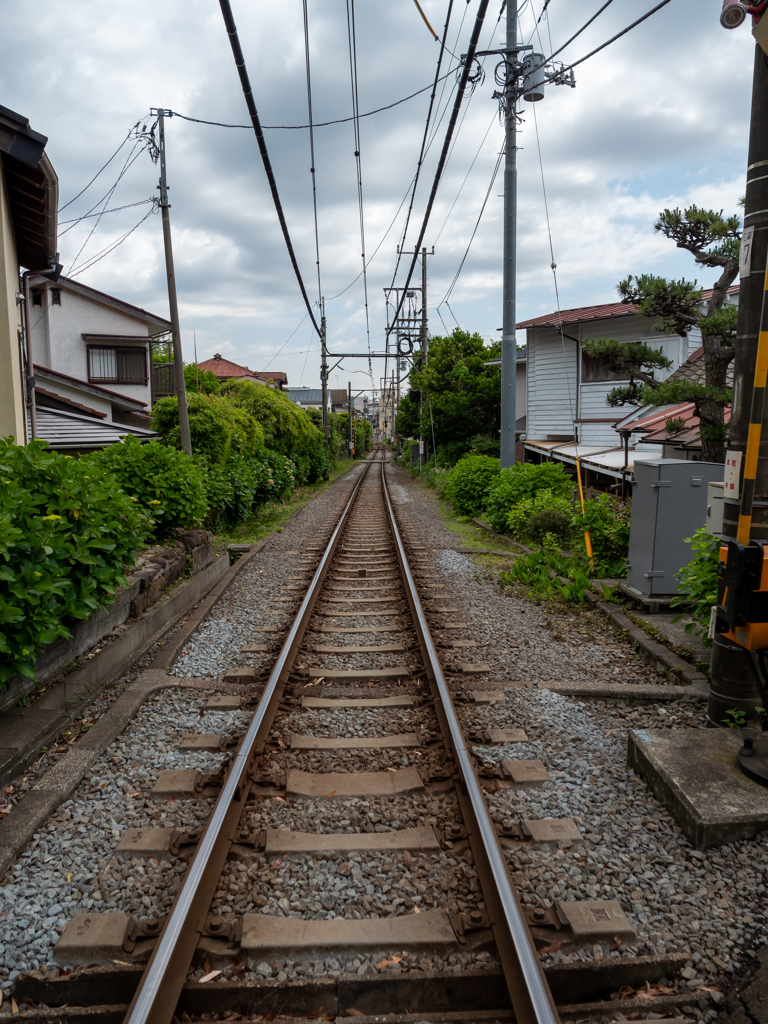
{"x":309,"y":398}
{"x":224,"y":369}
{"x":338,"y":397}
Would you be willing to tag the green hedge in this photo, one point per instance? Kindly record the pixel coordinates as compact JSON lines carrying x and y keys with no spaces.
{"x":522,"y":481}
{"x":67,"y":534}
{"x":158,"y":477}
{"x":469,"y":483}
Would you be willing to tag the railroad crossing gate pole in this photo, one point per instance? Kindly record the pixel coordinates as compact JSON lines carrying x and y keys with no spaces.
{"x":178,"y":358}
{"x":732,"y":684}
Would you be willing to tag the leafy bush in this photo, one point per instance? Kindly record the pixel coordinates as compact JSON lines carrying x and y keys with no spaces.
{"x":522,"y":481}
{"x":67,"y":532}
{"x":698,"y":583}
{"x":544,"y":513}
{"x":608,"y":522}
{"x":469,"y":483}
{"x":158,"y":477}
{"x":216,"y":427}
{"x":539,"y":572}
{"x":480,"y":444}
{"x":203,"y":381}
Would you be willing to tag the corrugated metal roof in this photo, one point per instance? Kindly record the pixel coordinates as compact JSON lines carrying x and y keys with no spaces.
{"x":306,"y":396}
{"x":606,"y":311}
{"x":67,"y":431}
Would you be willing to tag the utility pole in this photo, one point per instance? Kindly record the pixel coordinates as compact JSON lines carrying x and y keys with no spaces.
{"x":732,"y":677}
{"x":509,"y":316}
{"x":324,"y":373}
{"x":424,"y":346}
{"x":178,"y":359}
{"x":349,"y":415}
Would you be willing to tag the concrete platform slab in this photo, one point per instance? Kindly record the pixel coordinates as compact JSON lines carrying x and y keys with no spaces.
{"x":396,"y":741}
{"x":330,"y":784}
{"x":421,"y":838}
{"x":265,"y":936}
{"x":694,"y":773}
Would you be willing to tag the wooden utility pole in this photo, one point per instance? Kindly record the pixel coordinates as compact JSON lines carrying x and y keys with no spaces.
{"x":178,"y":359}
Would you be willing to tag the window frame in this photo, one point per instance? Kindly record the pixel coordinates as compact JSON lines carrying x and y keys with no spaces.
{"x":119,"y":350}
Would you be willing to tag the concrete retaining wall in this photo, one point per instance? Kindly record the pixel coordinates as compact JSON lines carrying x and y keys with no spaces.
{"x":193,"y":551}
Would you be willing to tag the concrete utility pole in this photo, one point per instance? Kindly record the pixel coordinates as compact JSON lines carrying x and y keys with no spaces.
{"x":178,"y":359}
{"x":324,"y":373}
{"x":509,"y":317}
{"x":349,"y":414}
{"x":732,"y":683}
{"x":424,"y":344}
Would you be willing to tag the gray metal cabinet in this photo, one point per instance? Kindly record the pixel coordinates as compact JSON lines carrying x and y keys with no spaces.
{"x":669,"y":502}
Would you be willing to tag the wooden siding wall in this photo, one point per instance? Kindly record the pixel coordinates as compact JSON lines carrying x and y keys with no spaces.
{"x":551,"y":384}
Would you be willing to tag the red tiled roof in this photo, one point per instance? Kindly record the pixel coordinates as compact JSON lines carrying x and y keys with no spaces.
{"x":607,"y":311}
{"x":278,"y":375}
{"x":221,"y":367}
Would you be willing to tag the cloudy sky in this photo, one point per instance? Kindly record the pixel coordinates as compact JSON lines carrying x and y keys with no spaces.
{"x":659,"y":118}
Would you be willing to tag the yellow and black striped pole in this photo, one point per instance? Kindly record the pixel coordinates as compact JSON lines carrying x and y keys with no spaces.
{"x":587,"y":538}
{"x":755,"y":424}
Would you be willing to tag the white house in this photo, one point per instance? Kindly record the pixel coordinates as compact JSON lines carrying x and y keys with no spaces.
{"x":567,"y":390}
{"x":94,"y":337}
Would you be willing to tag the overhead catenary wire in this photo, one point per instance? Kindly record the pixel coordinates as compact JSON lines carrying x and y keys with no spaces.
{"x":114,"y":209}
{"x":103,"y":168}
{"x":237,"y":53}
{"x":112,"y":245}
{"x":312,"y":147}
{"x":352,"y":41}
{"x":479,"y":19}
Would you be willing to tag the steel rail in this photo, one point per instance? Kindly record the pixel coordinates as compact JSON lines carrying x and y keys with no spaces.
{"x":162,"y":976}
{"x":531,"y":998}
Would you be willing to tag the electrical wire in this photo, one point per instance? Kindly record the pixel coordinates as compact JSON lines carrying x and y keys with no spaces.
{"x":466,"y":178}
{"x":312,"y":148}
{"x":424,"y":147}
{"x":62,"y":208}
{"x":114,"y":209}
{"x":352,"y":40}
{"x":479,"y":19}
{"x":274,"y":357}
{"x":237,"y":53}
{"x":318,"y":124}
{"x":474,"y":232}
{"x":113,"y":245}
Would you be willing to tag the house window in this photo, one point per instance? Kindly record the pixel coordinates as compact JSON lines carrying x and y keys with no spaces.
{"x":593,"y":370}
{"x":37,"y":298}
{"x":55,"y":296}
{"x":114,"y":364}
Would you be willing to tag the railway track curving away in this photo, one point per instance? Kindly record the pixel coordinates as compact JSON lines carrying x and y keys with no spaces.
{"x":347,"y":849}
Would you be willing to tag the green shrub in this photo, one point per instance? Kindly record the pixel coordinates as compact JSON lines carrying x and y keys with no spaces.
{"x":522,"y":481}
{"x":608,"y":522}
{"x":158,"y":477}
{"x":469,"y":483}
{"x":698,"y":583}
{"x":449,"y":454}
{"x":67,"y":533}
{"x":202,"y":381}
{"x":546,"y":512}
{"x":541,"y":572}
{"x":217,"y":427}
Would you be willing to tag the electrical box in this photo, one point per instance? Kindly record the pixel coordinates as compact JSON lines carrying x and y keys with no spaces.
{"x":669,"y":502}
{"x":715,"y":507}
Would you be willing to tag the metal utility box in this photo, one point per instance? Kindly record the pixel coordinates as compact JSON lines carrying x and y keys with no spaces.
{"x":669,"y":502}
{"x":715,"y":507}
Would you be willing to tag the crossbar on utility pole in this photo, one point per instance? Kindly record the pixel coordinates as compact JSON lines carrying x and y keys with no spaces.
{"x":178,"y":359}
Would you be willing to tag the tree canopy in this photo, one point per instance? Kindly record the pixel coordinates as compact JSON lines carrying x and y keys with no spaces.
{"x":676,"y":306}
{"x":461,"y":396}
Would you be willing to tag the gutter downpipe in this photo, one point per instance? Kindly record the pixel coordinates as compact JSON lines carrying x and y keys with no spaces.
{"x":29,"y":378}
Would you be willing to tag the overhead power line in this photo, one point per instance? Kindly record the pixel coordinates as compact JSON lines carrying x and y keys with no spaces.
{"x":479,"y":19}
{"x":318,"y":124}
{"x":237,"y":53}
{"x":312,"y":148}
{"x":61,"y":208}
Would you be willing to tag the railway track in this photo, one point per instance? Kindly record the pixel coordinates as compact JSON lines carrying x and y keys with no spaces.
{"x":363,"y":707}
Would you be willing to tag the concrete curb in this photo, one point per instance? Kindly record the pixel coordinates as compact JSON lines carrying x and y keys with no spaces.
{"x":60,"y":781}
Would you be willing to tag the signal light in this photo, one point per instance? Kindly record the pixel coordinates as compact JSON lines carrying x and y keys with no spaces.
{"x":732,"y":14}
